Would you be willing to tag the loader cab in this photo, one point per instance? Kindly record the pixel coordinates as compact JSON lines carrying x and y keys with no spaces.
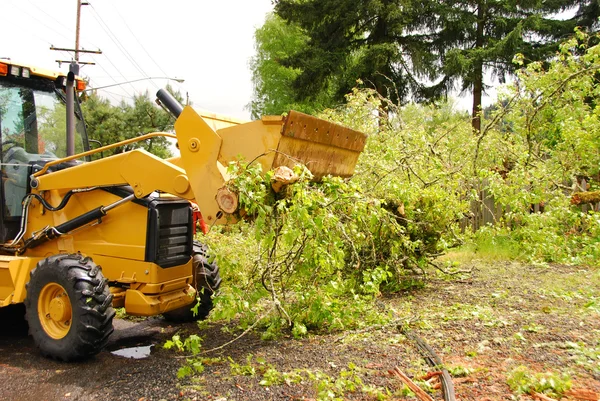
{"x":32,"y":131}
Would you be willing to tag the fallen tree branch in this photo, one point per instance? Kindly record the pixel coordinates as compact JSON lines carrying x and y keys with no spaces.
{"x":582,"y":394}
{"x":243,"y":334}
{"x":541,"y":397}
{"x":411,"y":385}
{"x":585,"y":197}
{"x":449,"y":272}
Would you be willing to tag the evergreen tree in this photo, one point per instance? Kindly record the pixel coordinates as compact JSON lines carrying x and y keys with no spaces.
{"x":472,"y":37}
{"x":423,"y":49}
{"x":348,"y":40}
{"x":587,"y":14}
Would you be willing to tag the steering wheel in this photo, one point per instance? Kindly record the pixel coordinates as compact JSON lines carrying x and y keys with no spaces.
{"x":11,"y":142}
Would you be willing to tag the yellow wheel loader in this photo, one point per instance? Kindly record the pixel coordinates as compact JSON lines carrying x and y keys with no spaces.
{"x":81,"y":237}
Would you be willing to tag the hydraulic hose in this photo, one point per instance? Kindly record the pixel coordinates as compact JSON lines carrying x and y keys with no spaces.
{"x":50,"y":233}
{"x":434,"y":360}
{"x":48,"y":206}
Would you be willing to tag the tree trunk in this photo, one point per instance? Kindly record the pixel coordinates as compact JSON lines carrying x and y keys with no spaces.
{"x":383,"y":108}
{"x":477,"y":94}
{"x":478,"y":71}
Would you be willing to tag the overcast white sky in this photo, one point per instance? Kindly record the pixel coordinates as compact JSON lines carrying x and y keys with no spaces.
{"x":208,"y":43}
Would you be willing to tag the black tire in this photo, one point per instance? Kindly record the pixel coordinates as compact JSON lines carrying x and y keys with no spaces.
{"x":80,"y":330}
{"x":208,"y":281}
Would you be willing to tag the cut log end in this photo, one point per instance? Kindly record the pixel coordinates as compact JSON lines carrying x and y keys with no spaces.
{"x":283,"y":176}
{"x":227,"y":200}
{"x":579,"y":198}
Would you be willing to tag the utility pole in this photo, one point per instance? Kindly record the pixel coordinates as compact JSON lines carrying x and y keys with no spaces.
{"x":70,"y":84}
{"x":77,"y":26}
{"x":75,"y":63}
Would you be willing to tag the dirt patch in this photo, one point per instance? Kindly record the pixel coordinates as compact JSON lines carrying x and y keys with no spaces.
{"x":483,"y":326}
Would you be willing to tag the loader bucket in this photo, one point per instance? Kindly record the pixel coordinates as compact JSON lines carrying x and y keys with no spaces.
{"x":209,"y":143}
{"x":324,"y":148}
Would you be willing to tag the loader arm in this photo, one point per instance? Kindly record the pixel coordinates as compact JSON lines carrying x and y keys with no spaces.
{"x":200,"y":145}
{"x":143,"y":171}
{"x":199,"y":173}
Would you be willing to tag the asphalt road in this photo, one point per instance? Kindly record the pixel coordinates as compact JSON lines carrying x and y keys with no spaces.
{"x":26,"y":375}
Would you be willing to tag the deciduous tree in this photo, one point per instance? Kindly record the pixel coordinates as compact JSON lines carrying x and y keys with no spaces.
{"x":273,"y":81}
{"x":109,"y":124}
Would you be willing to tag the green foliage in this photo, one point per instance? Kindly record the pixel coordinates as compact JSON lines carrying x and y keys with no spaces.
{"x":272,"y":79}
{"x":316,"y":256}
{"x":326,"y":387}
{"x":332,"y":388}
{"x":522,"y":381}
{"x":416,"y":163}
{"x":322,"y":252}
{"x":242,"y":370}
{"x":191,"y":367}
{"x":346,"y":41}
{"x":109,"y":124}
{"x":459,"y":371}
{"x":120,"y":313}
{"x":493,"y":244}
{"x":191,"y":344}
{"x":548,"y":139}
{"x":414,"y":49}
{"x":586,"y":356}
{"x":175,"y":342}
{"x":477,"y":38}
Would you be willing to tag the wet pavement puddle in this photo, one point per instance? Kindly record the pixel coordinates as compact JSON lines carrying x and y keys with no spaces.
{"x":134,"y":352}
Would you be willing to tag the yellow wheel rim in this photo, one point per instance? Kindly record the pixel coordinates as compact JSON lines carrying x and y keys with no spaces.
{"x":54,"y":310}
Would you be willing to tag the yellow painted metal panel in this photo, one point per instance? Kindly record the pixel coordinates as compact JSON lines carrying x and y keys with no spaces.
{"x":199,"y":146}
{"x":142,"y":170}
{"x":313,"y":129}
{"x":320,"y":159}
{"x":7,"y":286}
{"x":255,"y":141}
{"x":219,"y":121}
{"x":122,"y":231}
{"x":325,"y":148}
{"x":139,"y":272}
{"x":139,"y":304}
{"x":14,"y":274}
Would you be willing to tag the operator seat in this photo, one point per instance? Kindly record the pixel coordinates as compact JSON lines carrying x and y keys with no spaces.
{"x":16,"y":166}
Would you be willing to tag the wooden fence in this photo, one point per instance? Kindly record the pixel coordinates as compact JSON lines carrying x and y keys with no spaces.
{"x":485,"y":211}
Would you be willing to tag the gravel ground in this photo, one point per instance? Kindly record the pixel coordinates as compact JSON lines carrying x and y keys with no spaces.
{"x":482,"y":326}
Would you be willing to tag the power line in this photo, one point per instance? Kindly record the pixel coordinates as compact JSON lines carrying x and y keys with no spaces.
{"x":140,"y":43}
{"x":112,"y":76}
{"x":117,"y":97}
{"x":29,"y":15}
{"x":116,"y":94}
{"x":116,"y":41}
{"x":51,"y":18}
